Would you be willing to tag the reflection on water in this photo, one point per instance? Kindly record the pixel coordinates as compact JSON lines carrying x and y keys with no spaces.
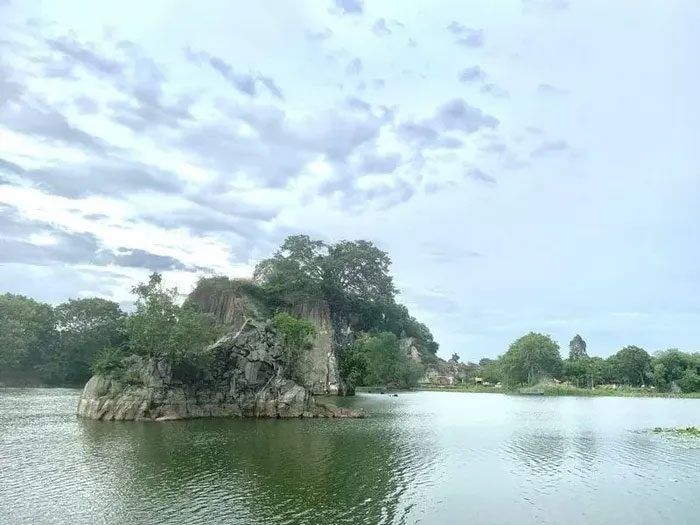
{"x":419,"y":458}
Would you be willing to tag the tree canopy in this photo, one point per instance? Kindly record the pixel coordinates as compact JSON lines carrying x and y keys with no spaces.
{"x":577,"y":348}
{"x":531,"y":358}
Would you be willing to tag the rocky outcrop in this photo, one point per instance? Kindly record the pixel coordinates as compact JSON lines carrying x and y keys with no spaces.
{"x":319,"y":367}
{"x":242,"y":377}
{"x":231,"y":303}
{"x":409,"y":346}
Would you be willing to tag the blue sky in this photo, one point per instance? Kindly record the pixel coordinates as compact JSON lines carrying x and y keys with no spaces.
{"x":528,"y":164}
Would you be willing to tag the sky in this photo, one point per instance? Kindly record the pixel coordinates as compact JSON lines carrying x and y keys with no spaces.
{"x":529,"y":165}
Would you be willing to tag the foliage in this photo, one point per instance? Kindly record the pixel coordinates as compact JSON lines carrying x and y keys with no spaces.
{"x":530,"y":359}
{"x":631,"y":365}
{"x":351,"y":276}
{"x":296,"y":335}
{"x":108,"y":361}
{"x":83,"y":328}
{"x":377,"y":359}
{"x":26,"y":329}
{"x":160,"y":328}
{"x":577,"y":348}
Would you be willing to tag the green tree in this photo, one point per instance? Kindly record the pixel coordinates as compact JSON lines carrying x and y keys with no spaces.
{"x":631,"y":365}
{"x":576,"y":371}
{"x":377,"y":359}
{"x":455,"y":358}
{"x":690,"y":381}
{"x":295,"y":271}
{"x":531,"y":358}
{"x":577,"y":348}
{"x":26,"y":332}
{"x":160,"y":328}
{"x":83,"y":328}
{"x":358,"y":271}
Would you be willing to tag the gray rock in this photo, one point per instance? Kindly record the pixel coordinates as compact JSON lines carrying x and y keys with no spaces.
{"x":245,"y":379}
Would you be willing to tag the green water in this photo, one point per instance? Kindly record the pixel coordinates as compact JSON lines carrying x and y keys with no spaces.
{"x":426,"y":457}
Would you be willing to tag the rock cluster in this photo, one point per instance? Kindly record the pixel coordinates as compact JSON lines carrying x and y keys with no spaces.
{"x":242,"y":377}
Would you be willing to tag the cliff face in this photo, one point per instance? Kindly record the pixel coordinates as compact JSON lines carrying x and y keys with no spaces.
{"x":232,"y":305}
{"x":243,"y":378}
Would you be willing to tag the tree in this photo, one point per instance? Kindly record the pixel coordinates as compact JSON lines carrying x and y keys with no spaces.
{"x":26,"y":332}
{"x":377,"y":359}
{"x":631,"y":365}
{"x":295,"y":271}
{"x":455,"y":358}
{"x":83,"y":328}
{"x":531,"y":358}
{"x":576,"y":371}
{"x":358,"y":271}
{"x":577,"y":348}
{"x":160,"y":328}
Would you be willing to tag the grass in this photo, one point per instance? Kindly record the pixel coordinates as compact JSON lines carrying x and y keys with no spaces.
{"x":569,"y":390}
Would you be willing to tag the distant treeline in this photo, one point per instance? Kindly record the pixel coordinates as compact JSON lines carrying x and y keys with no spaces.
{"x":535,"y":358}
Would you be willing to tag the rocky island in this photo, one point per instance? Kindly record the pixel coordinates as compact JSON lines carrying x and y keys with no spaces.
{"x":314,"y":320}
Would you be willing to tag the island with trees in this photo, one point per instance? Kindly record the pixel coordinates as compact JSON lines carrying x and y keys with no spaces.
{"x":315,"y":319}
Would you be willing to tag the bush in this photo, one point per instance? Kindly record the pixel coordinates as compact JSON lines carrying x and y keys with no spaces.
{"x":108,"y":362}
{"x":296,"y":335}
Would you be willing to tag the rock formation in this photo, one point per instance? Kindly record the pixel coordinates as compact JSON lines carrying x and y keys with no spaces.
{"x":231,"y":303}
{"x":242,"y":377}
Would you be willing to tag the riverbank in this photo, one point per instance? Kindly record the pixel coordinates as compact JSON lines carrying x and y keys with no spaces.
{"x":547,"y":390}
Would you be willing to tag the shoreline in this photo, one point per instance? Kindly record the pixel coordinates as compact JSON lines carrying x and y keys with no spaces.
{"x":560,"y":391}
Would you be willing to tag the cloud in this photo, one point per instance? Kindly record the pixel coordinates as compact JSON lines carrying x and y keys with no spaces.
{"x":454,"y":115}
{"x":458,"y":115}
{"x":354,"y":67}
{"x":203,"y":221}
{"x":494,"y":90}
{"x":545,"y":6}
{"x":466,"y":36}
{"x":548,"y":89}
{"x":424,"y":135}
{"x":358,"y":104}
{"x":44,"y":122}
{"x":381,"y":196}
{"x":10,"y":167}
{"x":479,"y":176}
{"x":319,"y":36}
{"x":378,"y":83}
{"x":350,"y":7}
{"x":36,"y":243}
{"x":472,"y":74}
{"x":380,"y":27}
{"x":246,"y":83}
{"x":86,"y":105}
{"x":549,"y":147}
{"x":279,"y":148}
{"x":494,"y":147}
{"x":86,"y":55}
{"x":376,"y":163}
{"x":109,"y":177}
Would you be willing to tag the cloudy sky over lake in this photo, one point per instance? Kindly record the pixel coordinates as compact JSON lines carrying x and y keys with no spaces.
{"x":528,"y":164}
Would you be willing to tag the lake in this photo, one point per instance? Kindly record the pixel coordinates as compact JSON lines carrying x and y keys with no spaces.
{"x":424,"y":457}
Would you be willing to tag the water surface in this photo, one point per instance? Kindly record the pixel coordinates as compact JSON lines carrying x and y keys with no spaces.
{"x":427,"y":457}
